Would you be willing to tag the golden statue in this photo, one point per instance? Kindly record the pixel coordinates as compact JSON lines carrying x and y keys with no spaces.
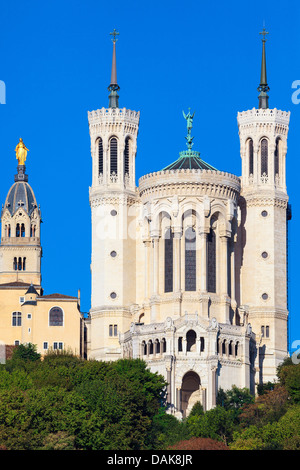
{"x":21,"y":152}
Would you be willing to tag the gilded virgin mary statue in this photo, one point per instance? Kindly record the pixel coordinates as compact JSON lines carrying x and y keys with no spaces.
{"x":21,"y":152}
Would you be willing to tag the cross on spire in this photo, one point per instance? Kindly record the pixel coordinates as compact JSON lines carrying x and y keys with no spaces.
{"x":263,"y":33}
{"x":114,"y":87}
{"x":263,"y":86}
{"x":114,"y":34}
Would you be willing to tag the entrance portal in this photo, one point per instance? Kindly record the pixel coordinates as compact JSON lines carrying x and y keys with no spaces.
{"x":190,"y":392}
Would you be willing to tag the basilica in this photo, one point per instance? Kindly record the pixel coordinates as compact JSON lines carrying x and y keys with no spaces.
{"x":188,"y":267}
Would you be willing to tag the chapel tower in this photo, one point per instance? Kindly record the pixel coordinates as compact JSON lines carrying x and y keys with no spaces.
{"x":20,"y":249}
{"x":113,"y":197}
{"x":263,"y":229}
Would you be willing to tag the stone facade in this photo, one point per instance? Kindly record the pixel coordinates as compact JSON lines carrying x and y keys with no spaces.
{"x":187,"y":271}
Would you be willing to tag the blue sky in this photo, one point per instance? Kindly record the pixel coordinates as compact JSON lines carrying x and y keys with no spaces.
{"x":55,"y":60}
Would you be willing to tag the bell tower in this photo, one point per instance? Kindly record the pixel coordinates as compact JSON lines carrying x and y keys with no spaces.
{"x":113,"y":197}
{"x":264,"y":213}
{"x":20,"y":249}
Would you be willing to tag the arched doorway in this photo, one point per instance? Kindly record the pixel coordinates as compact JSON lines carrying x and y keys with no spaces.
{"x":190,"y":392}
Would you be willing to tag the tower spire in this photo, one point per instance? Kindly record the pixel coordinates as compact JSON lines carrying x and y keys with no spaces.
{"x":263,"y":86}
{"x":114,"y":87}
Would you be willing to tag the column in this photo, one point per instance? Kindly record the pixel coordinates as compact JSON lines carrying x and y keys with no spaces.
{"x":147,"y":244}
{"x":169,"y":385}
{"x":155,"y":265}
{"x":213,"y":385}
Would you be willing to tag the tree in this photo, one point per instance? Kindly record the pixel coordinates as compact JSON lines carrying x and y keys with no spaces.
{"x":289,"y":377}
{"x":25,"y":352}
{"x":235,"y":398}
{"x":217,"y":423}
{"x":268,"y":407}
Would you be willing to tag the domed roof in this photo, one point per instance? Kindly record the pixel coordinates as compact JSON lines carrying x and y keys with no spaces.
{"x":20,"y":194}
{"x":191,"y":161}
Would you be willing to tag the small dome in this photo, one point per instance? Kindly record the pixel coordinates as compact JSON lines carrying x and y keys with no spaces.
{"x":20,"y":195}
{"x":189,"y":160}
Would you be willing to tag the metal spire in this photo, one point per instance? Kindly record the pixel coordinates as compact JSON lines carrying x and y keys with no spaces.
{"x":114,"y":87}
{"x":263,"y":86}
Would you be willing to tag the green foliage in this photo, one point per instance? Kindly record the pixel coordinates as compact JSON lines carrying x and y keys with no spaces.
{"x":26,"y":352}
{"x":289,"y":377}
{"x":167,"y":430}
{"x":235,"y":398}
{"x":217,"y":423}
{"x":64,"y":402}
{"x":283,"y":434}
{"x":197,"y":410}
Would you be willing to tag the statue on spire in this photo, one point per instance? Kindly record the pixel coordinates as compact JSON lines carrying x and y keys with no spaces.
{"x":189,"y":123}
{"x":21,"y":152}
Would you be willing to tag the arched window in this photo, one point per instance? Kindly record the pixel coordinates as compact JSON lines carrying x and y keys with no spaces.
{"x":56,"y":317}
{"x":168,"y":261}
{"x":202,"y":344}
{"x":190,"y":259}
{"x":250,"y":154}
{"x":100,"y":156}
{"x":20,"y":264}
{"x":157,"y":346}
{"x":16,"y":319}
{"x":24,"y":264}
{"x":191,"y":341}
{"x":276,"y":157}
{"x":18,"y":230}
{"x":22,"y":230}
{"x":113,"y":156}
{"x":180,"y":343}
{"x":15,"y":264}
{"x":211,"y":261}
{"x":264,"y":157}
{"x":126,"y":157}
{"x":164,"y":345}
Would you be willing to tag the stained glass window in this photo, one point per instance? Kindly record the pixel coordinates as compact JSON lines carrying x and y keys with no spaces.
{"x":264,"y":157}
{"x":276,"y":157}
{"x":56,"y":317}
{"x":211,"y":261}
{"x":126,"y":158}
{"x":250,"y":149}
{"x":190,"y":259}
{"x":100,"y":156}
{"x":113,"y":156}
{"x":168,"y":261}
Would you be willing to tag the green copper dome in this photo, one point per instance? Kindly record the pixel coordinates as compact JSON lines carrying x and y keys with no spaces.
{"x":189,"y":161}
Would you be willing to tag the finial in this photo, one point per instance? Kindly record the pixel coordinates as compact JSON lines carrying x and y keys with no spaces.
{"x":189,"y":123}
{"x":114,"y":34}
{"x":114,"y":87}
{"x":263,"y":86}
